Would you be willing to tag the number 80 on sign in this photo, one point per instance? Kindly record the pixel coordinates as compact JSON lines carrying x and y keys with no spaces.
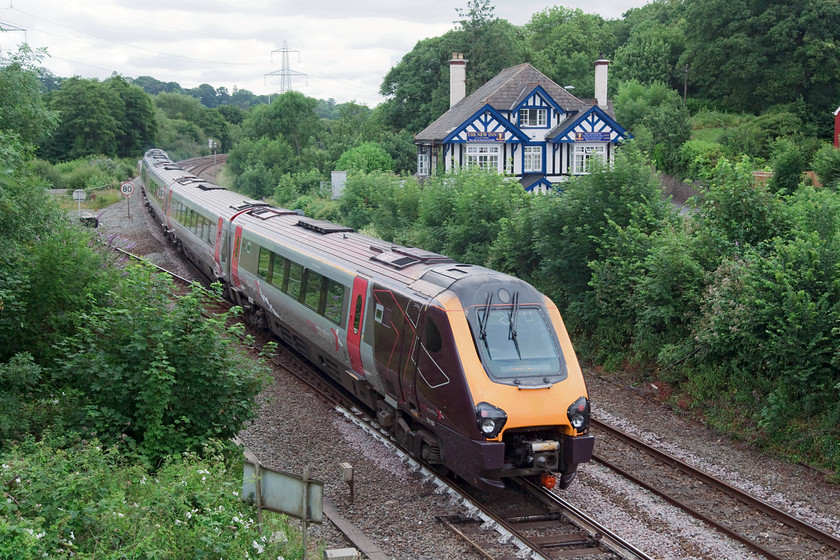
{"x":127,"y":189}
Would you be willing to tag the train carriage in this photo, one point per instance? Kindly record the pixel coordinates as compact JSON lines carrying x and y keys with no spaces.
{"x":471,"y":368}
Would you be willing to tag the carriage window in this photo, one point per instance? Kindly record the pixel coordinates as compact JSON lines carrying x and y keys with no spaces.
{"x":279,"y":271}
{"x":264,"y":265}
{"x":312,"y":299}
{"x":294,"y":279}
{"x":357,"y":315}
{"x":335,"y":299}
{"x":432,"y":339}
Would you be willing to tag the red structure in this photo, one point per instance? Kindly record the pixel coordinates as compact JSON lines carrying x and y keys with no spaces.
{"x":837,"y":128}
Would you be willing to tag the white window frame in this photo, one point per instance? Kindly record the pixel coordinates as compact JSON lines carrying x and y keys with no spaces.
{"x":484,"y":156}
{"x":423,"y":164}
{"x":584,"y":153}
{"x":533,"y":117}
{"x":532,"y":159}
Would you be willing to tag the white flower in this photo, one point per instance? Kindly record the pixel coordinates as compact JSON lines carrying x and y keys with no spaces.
{"x":258,"y":547}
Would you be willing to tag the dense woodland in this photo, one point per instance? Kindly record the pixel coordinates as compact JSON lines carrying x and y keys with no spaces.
{"x":731,"y":305}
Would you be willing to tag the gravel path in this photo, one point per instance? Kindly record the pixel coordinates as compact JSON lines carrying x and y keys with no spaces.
{"x":397,"y":511}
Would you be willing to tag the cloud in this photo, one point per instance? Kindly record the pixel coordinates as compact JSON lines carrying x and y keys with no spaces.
{"x":338,"y":49}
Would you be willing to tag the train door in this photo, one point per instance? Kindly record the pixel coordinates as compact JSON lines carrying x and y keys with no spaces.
{"x":234,"y":261}
{"x":389,"y":340}
{"x":433,"y":358}
{"x":218,"y":253}
{"x":411,"y":341}
{"x":167,"y":205}
{"x":354,"y":324}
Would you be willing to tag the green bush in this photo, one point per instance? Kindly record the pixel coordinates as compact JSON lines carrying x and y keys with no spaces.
{"x":157,"y":371}
{"x":826,"y":163}
{"x":699,"y":157}
{"x":79,"y":499}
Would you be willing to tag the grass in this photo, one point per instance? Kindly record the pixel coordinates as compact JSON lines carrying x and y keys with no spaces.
{"x":93,"y":201}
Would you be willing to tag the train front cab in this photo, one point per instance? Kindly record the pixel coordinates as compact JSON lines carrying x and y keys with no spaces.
{"x":530,"y":407}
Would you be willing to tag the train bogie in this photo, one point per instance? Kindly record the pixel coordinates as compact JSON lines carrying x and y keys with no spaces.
{"x":472,"y":369}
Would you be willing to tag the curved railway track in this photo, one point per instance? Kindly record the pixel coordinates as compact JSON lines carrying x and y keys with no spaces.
{"x":762,"y":527}
{"x":203,"y":164}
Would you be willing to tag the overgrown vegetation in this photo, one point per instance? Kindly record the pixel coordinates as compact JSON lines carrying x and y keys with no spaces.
{"x":117,"y":400}
{"x":65,"y":497}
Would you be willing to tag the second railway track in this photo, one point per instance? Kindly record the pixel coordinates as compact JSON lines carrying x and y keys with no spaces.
{"x":760,"y":526}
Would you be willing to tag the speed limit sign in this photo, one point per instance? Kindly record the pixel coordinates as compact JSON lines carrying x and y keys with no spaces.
{"x":127,"y":189}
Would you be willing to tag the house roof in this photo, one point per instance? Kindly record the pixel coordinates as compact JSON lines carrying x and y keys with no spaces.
{"x":503,"y":92}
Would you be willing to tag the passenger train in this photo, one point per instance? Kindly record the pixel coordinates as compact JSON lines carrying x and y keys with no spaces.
{"x":471,"y":369}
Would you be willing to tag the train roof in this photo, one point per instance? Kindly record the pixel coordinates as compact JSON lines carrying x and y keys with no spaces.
{"x":336,"y":245}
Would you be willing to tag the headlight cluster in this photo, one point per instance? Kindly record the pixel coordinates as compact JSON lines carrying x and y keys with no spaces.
{"x":490,"y":419}
{"x":578,"y":414}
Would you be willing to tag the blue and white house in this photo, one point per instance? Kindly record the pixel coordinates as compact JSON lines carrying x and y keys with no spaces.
{"x":523,"y":124}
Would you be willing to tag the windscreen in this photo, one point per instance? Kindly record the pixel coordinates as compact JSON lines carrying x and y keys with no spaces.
{"x":516,"y":342}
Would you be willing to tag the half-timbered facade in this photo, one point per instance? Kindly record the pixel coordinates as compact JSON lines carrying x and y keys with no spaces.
{"x":523,"y":124}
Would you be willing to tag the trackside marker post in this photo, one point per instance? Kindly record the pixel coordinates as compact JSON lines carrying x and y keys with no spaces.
{"x":127,"y":189}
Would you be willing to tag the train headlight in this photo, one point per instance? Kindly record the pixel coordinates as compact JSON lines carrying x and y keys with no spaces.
{"x":578,"y":414}
{"x":491,"y":419}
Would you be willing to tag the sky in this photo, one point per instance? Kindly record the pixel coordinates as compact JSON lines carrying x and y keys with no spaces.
{"x":337,"y":49}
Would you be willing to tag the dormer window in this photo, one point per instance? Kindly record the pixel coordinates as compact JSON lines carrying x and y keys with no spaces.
{"x":533,"y":117}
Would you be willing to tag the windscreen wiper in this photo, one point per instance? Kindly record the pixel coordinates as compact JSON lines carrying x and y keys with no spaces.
{"x":482,"y":321}
{"x":514,"y":310}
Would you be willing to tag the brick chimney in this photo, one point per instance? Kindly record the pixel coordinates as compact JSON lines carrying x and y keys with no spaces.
{"x":601,"y":82}
{"x":457,"y":78}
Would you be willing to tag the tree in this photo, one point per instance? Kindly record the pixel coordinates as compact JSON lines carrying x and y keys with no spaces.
{"x":490,"y":44}
{"x":565,"y":45}
{"x":179,"y":106}
{"x":90,"y":122}
{"x":570,"y":228}
{"x":138,"y":115}
{"x":291,"y":115}
{"x":826,"y":163}
{"x":23,"y":111}
{"x":656,"y":116}
{"x":750,"y":56}
{"x":365,"y":158}
{"x":417,"y":88}
{"x":651,"y":55}
{"x":461,"y":213}
{"x":259,"y":165}
{"x":153,"y":86}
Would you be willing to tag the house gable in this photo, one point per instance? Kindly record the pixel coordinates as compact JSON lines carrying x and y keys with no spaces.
{"x":594,"y":125}
{"x":536,"y":98}
{"x":486,"y":125}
